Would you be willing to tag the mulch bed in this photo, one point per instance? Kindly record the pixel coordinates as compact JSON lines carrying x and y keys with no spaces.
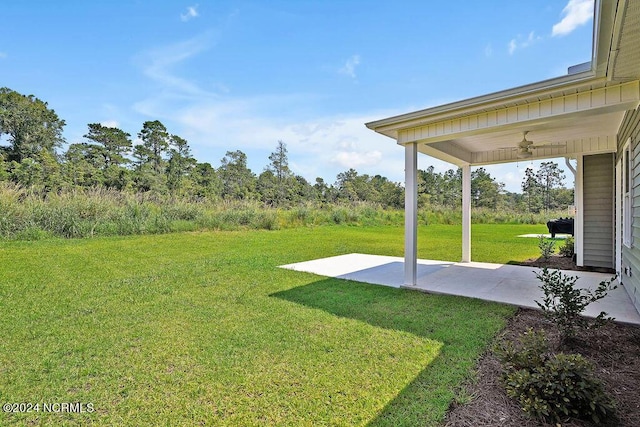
{"x":562,"y":263}
{"x":614,"y":349}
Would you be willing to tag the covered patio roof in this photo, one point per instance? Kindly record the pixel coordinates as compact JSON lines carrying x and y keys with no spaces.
{"x":579,"y":117}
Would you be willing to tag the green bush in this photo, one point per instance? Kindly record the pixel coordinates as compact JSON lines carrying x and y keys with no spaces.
{"x":299,"y":216}
{"x":159,"y":224}
{"x":563,"y":302}
{"x":552,"y":387}
{"x":266,"y":220}
{"x":564,"y":386}
{"x":546,"y":246}
{"x":532,"y":350}
{"x":567,"y":249}
{"x":183,"y":210}
{"x":339,"y":215}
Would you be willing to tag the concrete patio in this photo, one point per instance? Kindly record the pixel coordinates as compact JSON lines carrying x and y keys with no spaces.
{"x":511,"y":284}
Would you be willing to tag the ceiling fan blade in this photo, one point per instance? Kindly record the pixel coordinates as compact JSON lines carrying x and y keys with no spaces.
{"x":548,"y":144}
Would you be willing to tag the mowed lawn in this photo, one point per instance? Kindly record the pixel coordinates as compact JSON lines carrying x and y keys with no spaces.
{"x":205,"y":329}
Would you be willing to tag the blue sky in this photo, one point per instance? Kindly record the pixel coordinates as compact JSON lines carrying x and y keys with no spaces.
{"x":241,"y":75}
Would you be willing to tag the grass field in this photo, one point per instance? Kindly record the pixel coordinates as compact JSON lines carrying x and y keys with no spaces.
{"x":204,"y":329}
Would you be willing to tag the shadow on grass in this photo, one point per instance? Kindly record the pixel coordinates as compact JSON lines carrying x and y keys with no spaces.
{"x":463,"y":326}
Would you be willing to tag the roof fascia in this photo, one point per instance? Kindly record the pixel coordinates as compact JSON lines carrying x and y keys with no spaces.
{"x":606,"y":31}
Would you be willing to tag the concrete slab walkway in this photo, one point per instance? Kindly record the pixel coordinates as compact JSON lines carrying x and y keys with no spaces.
{"x":511,"y":284}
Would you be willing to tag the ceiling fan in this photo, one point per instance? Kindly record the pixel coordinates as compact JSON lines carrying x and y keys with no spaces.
{"x":525,"y":146}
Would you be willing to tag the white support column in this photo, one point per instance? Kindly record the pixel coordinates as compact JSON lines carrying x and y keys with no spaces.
{"x":618,"y":218}
{"x":578,"y":232}
{"x":410,"y":214}
{"x":466,"y":213}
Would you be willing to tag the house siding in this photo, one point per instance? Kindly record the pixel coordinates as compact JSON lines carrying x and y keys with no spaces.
{"x":598,"y":186}
{"x":630,"y":274}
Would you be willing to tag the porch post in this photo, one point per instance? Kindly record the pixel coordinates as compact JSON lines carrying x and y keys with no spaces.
{"x":410,"y":214}
{"x":466,"y":213}
{"x":578,"y":232}
{"x":619,"y":184}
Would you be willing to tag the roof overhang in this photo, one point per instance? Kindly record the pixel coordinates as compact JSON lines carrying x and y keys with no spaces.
{"x":573,"y":114}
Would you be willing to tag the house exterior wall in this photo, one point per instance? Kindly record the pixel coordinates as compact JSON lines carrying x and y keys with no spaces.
{"x":598,"y":210}
{"x":630,"y":274}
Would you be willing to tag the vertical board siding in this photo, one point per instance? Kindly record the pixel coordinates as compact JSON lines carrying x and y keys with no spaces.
{"x":598,"y":181}
{"x":630,"y":274}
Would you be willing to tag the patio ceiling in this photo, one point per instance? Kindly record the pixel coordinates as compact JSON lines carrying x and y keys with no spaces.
{"x":585,"y":122}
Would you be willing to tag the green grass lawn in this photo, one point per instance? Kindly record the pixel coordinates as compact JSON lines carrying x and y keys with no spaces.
{"x":204,"y":329}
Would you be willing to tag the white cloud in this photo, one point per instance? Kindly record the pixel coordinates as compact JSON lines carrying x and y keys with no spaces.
{"x":192,"y":12}
{"x":576,"y":13}
{"x":110,"y":123}
{"x":3,"y":55}
{"x":341,"y":143}
{"x":357,"y":159}
{"x":158,"y":64}
{"x":349,"y":67}
{"x":216,"y":122}
{"x":488,"y":50}
{"x":323,"y":146}
{"x":523,"y":42}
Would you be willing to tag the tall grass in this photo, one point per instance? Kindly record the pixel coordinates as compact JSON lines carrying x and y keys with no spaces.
{"x":490,"y":216}
{"x":30,"y":215}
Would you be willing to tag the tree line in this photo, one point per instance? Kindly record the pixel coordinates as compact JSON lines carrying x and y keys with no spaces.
{"x":542,"y":190}
{"x":33,"y":154}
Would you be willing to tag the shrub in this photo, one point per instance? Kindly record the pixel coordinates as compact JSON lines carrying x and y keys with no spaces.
{"x":159,"y":224}
{"x":563,"y":302}
{"x":567,"y":249}
{"x":267,"y":220}
{"x":564,"y":386}
{"x":339,"y":215}
{"x":533,"y":350}
{"x":552,"y":387}
{"x":183,"y":210}
{"x":299,"y":215}
{"x":546,"y":247}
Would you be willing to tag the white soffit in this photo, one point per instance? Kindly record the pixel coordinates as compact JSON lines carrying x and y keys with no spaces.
{"x":582,"y":123}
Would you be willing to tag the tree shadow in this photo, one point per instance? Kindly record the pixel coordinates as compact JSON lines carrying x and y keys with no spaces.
{"x":463,"y":326}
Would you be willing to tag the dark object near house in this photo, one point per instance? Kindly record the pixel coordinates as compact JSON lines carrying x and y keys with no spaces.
{"x":561,"y":225}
